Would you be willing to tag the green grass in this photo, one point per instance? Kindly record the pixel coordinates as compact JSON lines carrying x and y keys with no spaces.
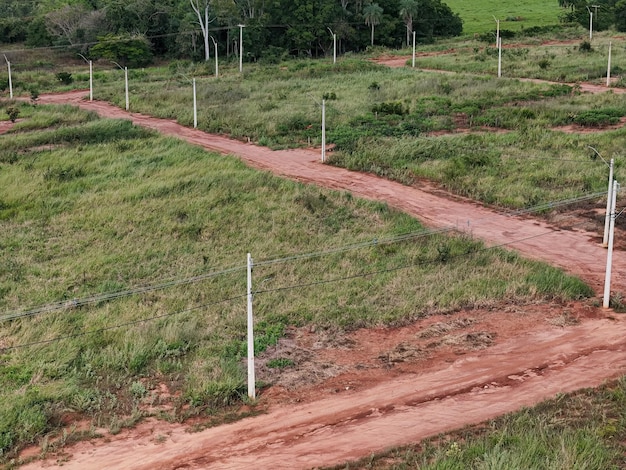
{"x":279,"y":107}
{"x":585,"y":429}
{"x":95,"y":206}
{"x":478,"y":15}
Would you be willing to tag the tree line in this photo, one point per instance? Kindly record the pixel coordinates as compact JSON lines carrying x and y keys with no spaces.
{"x":133,"y":31}
{"x":603,"y":13}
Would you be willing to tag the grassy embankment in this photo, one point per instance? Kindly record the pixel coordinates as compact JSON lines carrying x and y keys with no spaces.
{"x":95,"y":207}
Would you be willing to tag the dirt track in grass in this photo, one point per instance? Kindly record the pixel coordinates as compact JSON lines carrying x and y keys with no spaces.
{"x":373,"y":389}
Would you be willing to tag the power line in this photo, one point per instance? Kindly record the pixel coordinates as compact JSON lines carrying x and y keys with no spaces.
{"x":121,"y":325}
{"x":73,"y":303}
{"x":284,"y":288}
{"x":405,"y":266}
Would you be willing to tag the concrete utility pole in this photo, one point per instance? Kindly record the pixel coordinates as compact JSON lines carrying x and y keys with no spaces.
{"x":590,"y":23}
{"x":323,"y":131}
{"x":241,"y":48}
{"x":608,"y":68}
{"x":413,"y":62}
{"x":251,"y":378}
{"x":195,"y":106}
{"x":609,"y":193}
{"x":334,"y":45}
{"x":215,"y":44}
{"x":10,"y":80}
{"x":499,"y":46}
{"x":90,"y":76}
{"x":609,"y":257}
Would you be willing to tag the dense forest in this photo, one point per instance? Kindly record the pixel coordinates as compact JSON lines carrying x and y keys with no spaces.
{"x":133,"y":31}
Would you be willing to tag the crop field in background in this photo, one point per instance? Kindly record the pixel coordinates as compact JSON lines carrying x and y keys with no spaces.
{"x":478,"y":15}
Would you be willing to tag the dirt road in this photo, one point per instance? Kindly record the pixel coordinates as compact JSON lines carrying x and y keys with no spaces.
{"x":354,"y":422}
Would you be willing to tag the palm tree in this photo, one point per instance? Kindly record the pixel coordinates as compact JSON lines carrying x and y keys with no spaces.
{"x":408,"y":9}
{"x":372,"y":13}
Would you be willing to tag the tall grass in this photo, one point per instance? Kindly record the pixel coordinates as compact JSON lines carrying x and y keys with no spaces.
{"x":98,"y":206}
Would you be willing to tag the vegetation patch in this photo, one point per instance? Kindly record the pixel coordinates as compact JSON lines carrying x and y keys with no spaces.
{"x":87,"y":226}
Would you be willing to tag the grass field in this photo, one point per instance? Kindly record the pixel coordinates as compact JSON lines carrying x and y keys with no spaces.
{"x":92,"y":207}
{"x":380,"y":120}
{"x":96,"y":209}
{"x":478,"y":15}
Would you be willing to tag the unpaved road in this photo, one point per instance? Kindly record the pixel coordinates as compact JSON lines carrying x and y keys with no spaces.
{"x":351,"y":423}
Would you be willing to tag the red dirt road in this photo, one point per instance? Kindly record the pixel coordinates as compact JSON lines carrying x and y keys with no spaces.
{"x":350,"y":425}
{"x":354,"y":422}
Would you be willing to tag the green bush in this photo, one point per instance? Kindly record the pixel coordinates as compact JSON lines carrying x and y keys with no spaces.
{"x":64,"y":77}
{"x":389,"y":108}
{"x":597,"y":117}
{"x":13,"y":113}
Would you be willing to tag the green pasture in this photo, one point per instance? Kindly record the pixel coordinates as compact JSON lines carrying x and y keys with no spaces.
{"x":478,"y":16}
{"x":405,"y":124}
{"x":99,"y":209}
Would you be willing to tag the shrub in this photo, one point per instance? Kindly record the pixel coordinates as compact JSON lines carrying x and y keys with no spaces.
{"x":64,"y":77}
{"x":543,"y":64}
{"x":585,"y":46}
{"x":597,"y":117}
{"x":389,"y":108}
{"x":13,"y":112}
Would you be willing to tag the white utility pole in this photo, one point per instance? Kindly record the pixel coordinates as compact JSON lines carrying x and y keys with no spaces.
{"x":334,"y":45}
{"x":609,"y":197}
{"x":499,"y":46}
{"x":499,"y":57}
{"x":195,"y":106}
{"x":609,"y":256}
{"x":608,"y":68}
{"x":125,"y":69}
{"x":215,"y":44}
{"x":609,"y":193}
{"x":413,"y":63}
{"x":126,"y":87}
{"x":10,"y":80}
{"x":323,"y":131}
{"x":497,"y":31}
{"x":590,"y":23}
{"x":90,"y":76}
{"x":251,"y":378}
{"x":241,"y":48}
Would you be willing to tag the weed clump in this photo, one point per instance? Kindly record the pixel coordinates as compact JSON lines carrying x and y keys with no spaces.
{"x":13,"y":112}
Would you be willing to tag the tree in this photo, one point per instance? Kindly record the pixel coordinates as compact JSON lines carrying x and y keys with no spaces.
{"x":620,"y":15}
{"x":408,"y":9}
{"x":372,"y":14}
{"x":75,"y":24}
{"x":202,"y":8}
{"x":132,"y":51}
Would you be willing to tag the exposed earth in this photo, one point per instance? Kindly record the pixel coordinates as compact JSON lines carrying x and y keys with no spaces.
{"x":350,"y":394}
